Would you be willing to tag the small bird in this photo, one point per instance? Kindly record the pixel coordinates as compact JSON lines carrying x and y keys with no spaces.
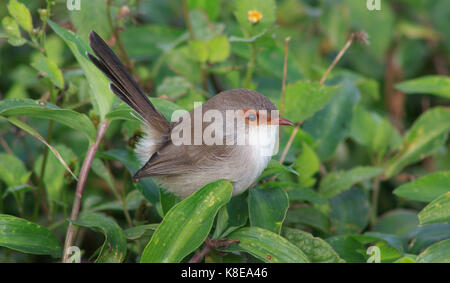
{"x":184,"y":168}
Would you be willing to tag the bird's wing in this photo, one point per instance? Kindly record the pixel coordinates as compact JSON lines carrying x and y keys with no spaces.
{"x":183,"y":159}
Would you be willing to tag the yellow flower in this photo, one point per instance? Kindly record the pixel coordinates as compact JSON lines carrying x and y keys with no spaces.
{"x":254,"y":16}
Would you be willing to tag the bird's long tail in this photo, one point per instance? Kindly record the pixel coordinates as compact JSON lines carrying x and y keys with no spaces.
{"x":123,"y":84}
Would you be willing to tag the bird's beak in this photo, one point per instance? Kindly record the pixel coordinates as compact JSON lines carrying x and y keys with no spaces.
{"x":282,"y":121}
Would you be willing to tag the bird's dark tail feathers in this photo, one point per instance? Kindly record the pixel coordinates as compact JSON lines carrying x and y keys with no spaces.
{"x":123,"y":84}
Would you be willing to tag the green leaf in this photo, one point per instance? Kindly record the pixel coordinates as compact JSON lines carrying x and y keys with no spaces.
{"x":12,"y":30}
{"x":219,"y":49}
{"x":12,"y":170}
{"x":426,"y":188}
{"x":87,"y":19}
{"x":27,"y":237}
{"x":426,"y":134}
{"x":22,"y":15}
{"x":426,"y":235}
{"x":267,"y":208}
{"x":26,"y":107}
{"x":371,"y":237}
{"x":210,"y":6}
{"x":35,"y":134}
{"x":316,"y":249}
{"x":306,"y":98}
{"x":115,"y":246}
{"x":48,"y":69}
{"x":349,"y":211}
{"x":102,"y":97}
{"x":347,"y":247}
{"x":199,"y":50}
{"x":307,"y":164}
{"x":436,"y":211}
{"x":231,"y":217}
{"x":374,"y":131}
{"x":140,"y":231}
{"x":397,"y":222}
{"x":337,"y":182}
{"x":310,"y":216}
{"x":266,"y":246}
{"x":436,"y":253}
{"x":434,"y":84}
{"x":174,"y":87}
{"x":275,"y":167}
{"x":187,"y":224}
{"x":267,"y":9}
{"x":168,"y":200}
{"x":330,"y":125}
{"x":297,"y":193}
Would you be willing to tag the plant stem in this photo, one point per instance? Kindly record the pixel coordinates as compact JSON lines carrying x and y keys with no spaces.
{"x":119,"y":42}
{"x":187,"y":19}
{"x":375,"y":196}
{"x":354,"y":36}
{"x":283,"y":85}
{"x":80,"y":187}
{"x":251,"y":66}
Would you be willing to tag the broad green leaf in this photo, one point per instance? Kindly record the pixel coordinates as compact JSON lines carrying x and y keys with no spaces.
{"x":27,"y":237}
{"x":310,"y":216}
{"x":267,"y":8}
{"x":267,"y":208}
{"x":146,"y":186}
{"x":219,"y":49}
{"x":426,"y":235}
{"x":13,"y":32}
{"x":426,"y":188}
{"x":331,"y":124}
{"x":266,"y":246}
{"x":187,"y":224}
{"x":18,"y":189}
{"x":49,"y":69}
{"x":436,"y":253}
{"x":203,"y":28}
{"x":210,"y":6}
{"x":181,"y":62}
{"x":22,"y":15}
{"x":349,"y":211}
{"x":26,"y":107}
{"x":54,"y":175}
{"x":337,"y":182}
{"x":303,"y":99}
{"x":12,"y":170}
{"x":35,"y":134}
{"x":347,"y":247}
{"x":374,"y":131}
{"x":426,"y":134}
{"x":436,"y":211}
{"x":199,"y":50}
{"x":275,"y":167}
{"x":307,"y":164}
{"x":397,"y":222}
{"x":174,"y":87}
{"x":372,"y":237}
{"x":434,"y":84}
{"x":406,"y":259}
{"x":168,"y":200}
{"x":87,"y":19}
{"x":140,"y":231}
{"x":115,"y":246}
{"x":297,"y":193}
{"x":231,"y":217}
{"x":143,"y":41}
{"x":102,"y":97}
{"x":316,"y":249}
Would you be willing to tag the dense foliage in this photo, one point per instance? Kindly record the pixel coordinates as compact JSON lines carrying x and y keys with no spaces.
{"x":364,"y":174}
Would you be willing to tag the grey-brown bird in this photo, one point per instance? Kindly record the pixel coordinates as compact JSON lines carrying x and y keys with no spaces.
{"x":183,"y":168}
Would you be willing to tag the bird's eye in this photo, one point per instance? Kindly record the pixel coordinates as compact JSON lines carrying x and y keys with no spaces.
{"x":251,"y":117}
